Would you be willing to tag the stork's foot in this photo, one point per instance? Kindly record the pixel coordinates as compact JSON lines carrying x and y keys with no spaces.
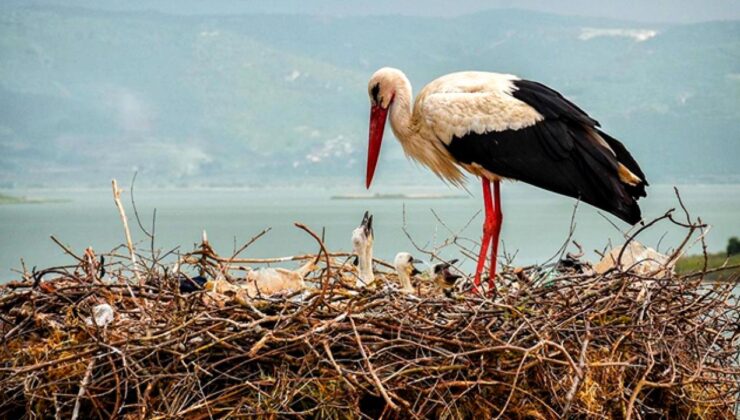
{"x":492,"y":278}
{"x":484,"y":286}
{"x":476,"y":285}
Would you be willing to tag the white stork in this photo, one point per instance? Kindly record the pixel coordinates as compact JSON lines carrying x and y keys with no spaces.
{"x":498,"y":126}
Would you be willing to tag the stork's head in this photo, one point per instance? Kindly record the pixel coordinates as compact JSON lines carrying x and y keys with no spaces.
{"x":404,"y":263}
{"x":362,"y":237}
{"x":442,"y":275}
{"x":381,"y":89}
{"x":440,"y":267}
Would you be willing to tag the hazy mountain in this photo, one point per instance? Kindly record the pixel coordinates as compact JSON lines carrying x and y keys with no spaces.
{"x":638,"y":10}
{"x":87,"y":95}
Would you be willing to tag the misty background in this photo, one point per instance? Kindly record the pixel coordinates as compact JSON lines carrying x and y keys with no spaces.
{"x":237,"y":93}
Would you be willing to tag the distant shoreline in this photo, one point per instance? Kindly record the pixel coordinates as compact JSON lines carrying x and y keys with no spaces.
{"x":379,"y":196}
{"x":104,"y":186}
{"x":11,"y":199}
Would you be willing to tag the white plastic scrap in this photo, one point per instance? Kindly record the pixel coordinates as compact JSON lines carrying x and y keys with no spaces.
{"x":103,"y":315}
{"x":637,"y":257}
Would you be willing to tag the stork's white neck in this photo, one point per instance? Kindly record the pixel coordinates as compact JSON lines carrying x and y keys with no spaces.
{"x":366,"y":265}
{"x":421,"y":146}
{"x":400,"y":110}
{"x":405,"y":281}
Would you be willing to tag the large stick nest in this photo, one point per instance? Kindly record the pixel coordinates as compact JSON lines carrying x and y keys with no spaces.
{"x":566,"y":344}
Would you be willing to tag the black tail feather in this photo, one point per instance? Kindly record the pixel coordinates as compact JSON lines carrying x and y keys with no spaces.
{"x":625,"y":158}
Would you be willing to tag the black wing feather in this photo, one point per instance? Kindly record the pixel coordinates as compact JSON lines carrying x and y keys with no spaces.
{"x":558,"y":154}
{"x":550,"y":103}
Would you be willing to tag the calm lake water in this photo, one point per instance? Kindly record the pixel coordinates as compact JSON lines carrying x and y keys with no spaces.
{"x":535,"y":223}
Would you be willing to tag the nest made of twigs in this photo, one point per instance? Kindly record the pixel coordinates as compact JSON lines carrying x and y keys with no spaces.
{"x":562,"y":343}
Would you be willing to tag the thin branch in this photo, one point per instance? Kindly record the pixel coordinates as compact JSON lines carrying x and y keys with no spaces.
{"x":124,"y":220}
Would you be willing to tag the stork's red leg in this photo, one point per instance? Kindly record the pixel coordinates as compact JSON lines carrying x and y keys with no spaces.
{"x":498,"y":217}
{"x":487,"y":232}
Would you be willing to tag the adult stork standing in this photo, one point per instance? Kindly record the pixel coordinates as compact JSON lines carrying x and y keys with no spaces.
{"x":498,"y":126}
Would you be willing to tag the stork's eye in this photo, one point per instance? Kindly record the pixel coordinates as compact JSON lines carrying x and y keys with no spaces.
{"x":374,"y":92}
{"x":411,"y":259}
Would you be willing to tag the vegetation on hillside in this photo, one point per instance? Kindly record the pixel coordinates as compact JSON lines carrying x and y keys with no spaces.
{"x":733,"y":246}
{"x":730,"y":258}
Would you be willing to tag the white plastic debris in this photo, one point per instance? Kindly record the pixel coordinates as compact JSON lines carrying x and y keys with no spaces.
{"x":103,"y":315}
{"x":638,"y":258}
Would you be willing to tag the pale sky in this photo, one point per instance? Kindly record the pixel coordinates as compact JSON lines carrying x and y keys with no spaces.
{"x":636,"y":10}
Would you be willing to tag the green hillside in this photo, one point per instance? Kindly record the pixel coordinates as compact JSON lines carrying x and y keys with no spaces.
{"x":257,"y":98}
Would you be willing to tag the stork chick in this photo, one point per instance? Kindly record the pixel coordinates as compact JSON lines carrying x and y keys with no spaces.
{"x":404,"y":264}
{"x":443,"y":278}
{"x":272,"y":281}
{"x":362,"y":246}
{"x":264,"y":282}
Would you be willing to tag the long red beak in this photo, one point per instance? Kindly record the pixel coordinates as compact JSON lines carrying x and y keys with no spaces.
{"x":378,"y":115}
